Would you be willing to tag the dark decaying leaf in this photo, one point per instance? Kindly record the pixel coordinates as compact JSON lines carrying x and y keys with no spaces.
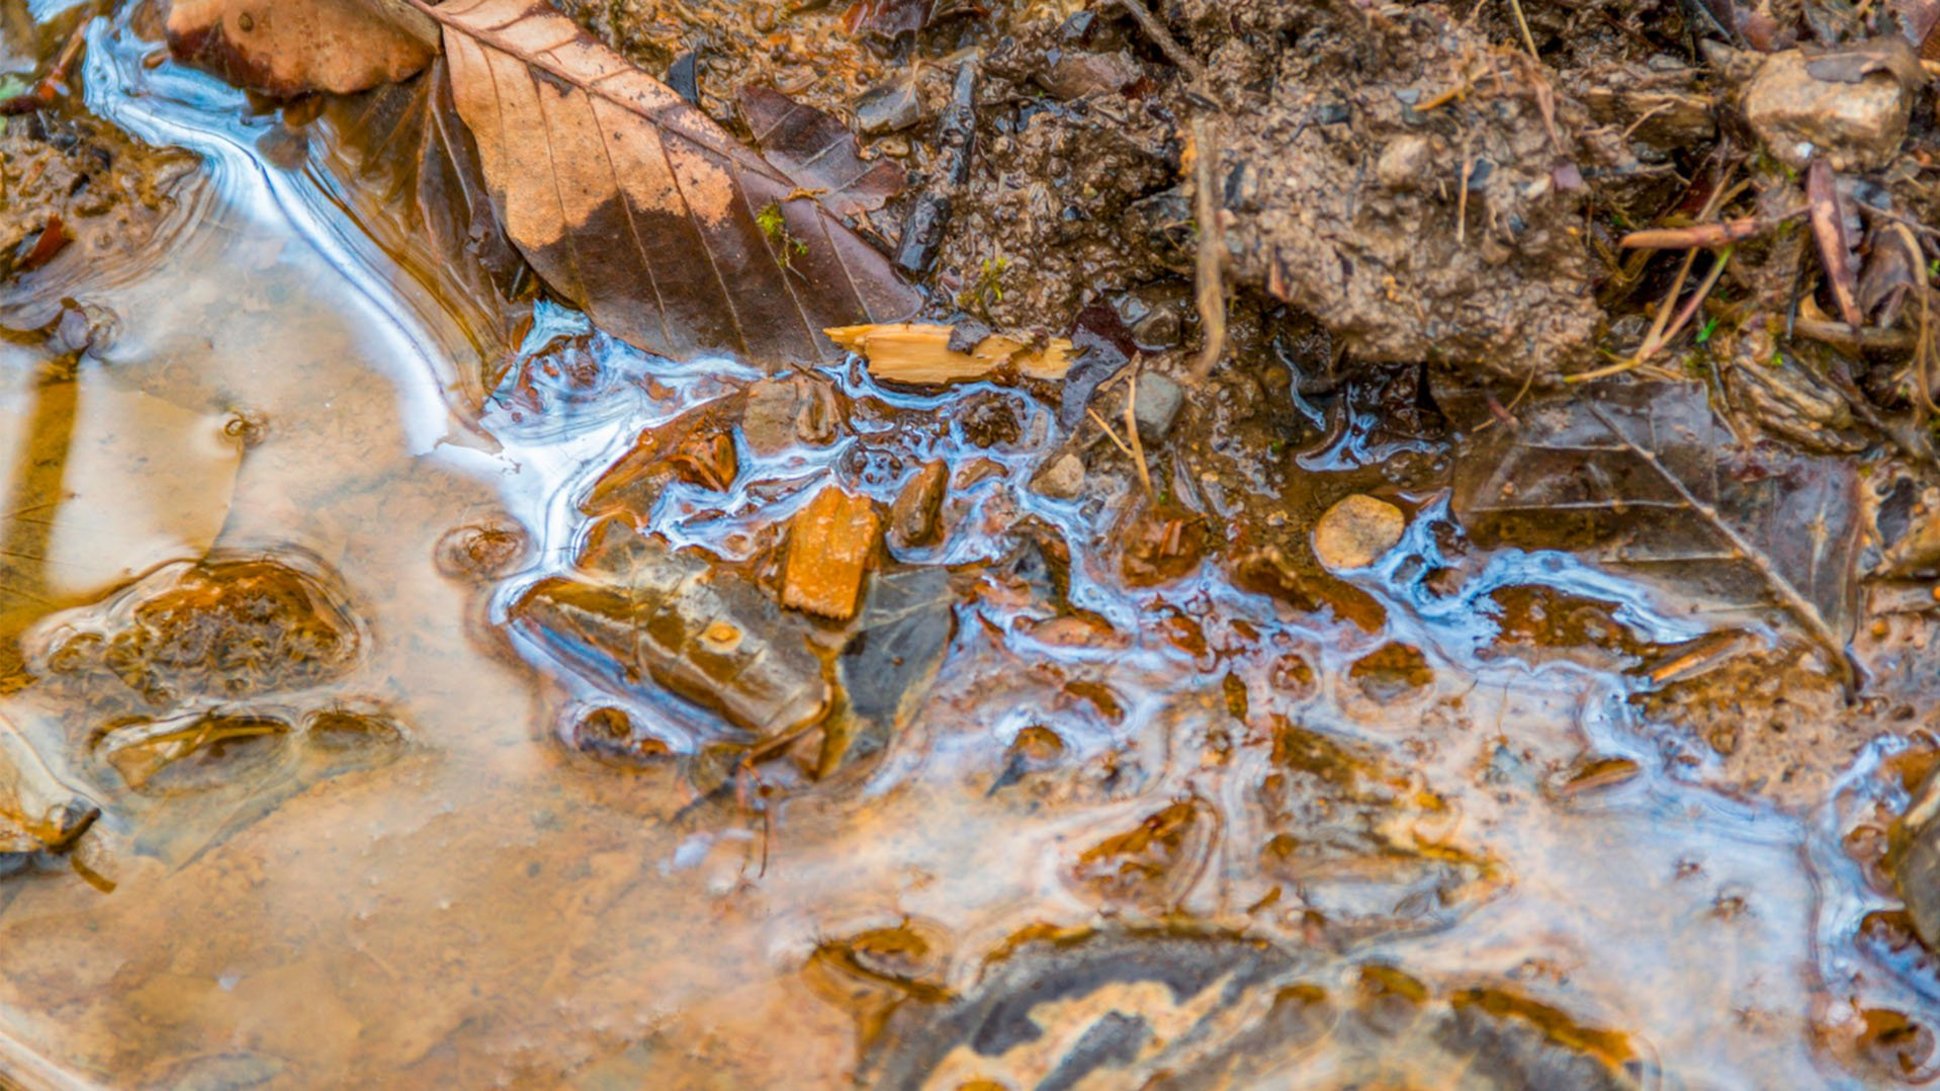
{"x":888,"y":18}
{"x":642,"y":210}
{"x":284,"y":49}
{"x":1642,"y":477}
{"x":412,"y":178}
{"x":1827,"y":211}
{"x":1920,"y":21}
{"x":1855,"y":61}
{"x":818,"y":152}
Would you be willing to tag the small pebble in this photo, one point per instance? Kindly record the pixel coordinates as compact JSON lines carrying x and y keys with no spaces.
{"x":1157,"y":409}
{"x":1062,"y":479}
{"x":1355,"y":532}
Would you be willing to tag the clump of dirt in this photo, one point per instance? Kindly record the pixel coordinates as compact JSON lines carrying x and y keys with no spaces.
{"x":79,"y":191}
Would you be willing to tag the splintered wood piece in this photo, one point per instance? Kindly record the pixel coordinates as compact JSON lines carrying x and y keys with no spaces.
{"x":830,"y":545}
{"x":917,"y":352}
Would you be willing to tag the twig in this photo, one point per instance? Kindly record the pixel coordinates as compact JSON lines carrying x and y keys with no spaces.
{"x":1209,"y":272}
{"x":1131,"y":431}
{"x":1163,"y":38}
{"x":1105,"y":426}
{"x":1866,"y":337}
{"x":1807,"y":614}
{"x":1461,"y":196}
{"x":1702,"y":236}
{"x":1522,"y":24}
{"x":1691,"y":305}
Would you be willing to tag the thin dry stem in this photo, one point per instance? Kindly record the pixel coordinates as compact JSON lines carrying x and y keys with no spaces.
{"x":1131,"y":431}
{"x":1209,"y":266}
{"x":1522,"y":24}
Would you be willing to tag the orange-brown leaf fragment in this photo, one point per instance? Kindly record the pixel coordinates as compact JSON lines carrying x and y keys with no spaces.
{"x":642,"y":210}
{"x":285,"y":48}
{"x":830,"y":545}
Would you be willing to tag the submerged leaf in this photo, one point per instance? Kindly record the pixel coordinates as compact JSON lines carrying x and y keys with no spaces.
{"x":1643,"y":477}
{"x":287,"y":49}
{"x":818,"y":152}
{"x":413,"y":179}
{"x":642,"y":210}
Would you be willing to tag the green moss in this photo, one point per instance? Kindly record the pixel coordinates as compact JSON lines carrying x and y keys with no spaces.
{"x":774,"y":227}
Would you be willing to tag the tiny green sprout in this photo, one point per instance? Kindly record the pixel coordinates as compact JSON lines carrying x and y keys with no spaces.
{"x":1933,"y":268}
{"x":989,"y":286}
{"x":1777,"y":360}
{"x":774,"y":226}
{"x":1710,"y":326}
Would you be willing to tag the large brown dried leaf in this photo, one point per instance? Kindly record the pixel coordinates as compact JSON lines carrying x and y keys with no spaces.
{"x":1643,"y":478}
{"x":818,"y":152}
{"x":285,"y":48}
{"x":642,"y":210}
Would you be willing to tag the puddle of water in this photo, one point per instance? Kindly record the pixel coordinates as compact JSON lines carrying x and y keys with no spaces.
{"x":463,"y":901}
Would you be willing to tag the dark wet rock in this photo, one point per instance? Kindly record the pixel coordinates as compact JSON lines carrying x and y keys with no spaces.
{"x":900,"y":640}
{"x":887,"y":108}
{"x":1158,"y":405}
{"x":1104,"y":345}
{"x":684,"y":77}
{"x":918,"y":505}
{"x":637,"y":614}
{"x":219,"y":629}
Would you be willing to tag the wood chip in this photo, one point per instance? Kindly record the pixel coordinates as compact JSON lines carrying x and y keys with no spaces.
{"x":830,"y":545}
{"x":920,"y":353}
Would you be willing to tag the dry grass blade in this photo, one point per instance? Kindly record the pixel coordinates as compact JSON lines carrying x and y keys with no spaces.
{"x":1131,"y":431}
{"x":640,"y":209}
{"x":1796,"y":604}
